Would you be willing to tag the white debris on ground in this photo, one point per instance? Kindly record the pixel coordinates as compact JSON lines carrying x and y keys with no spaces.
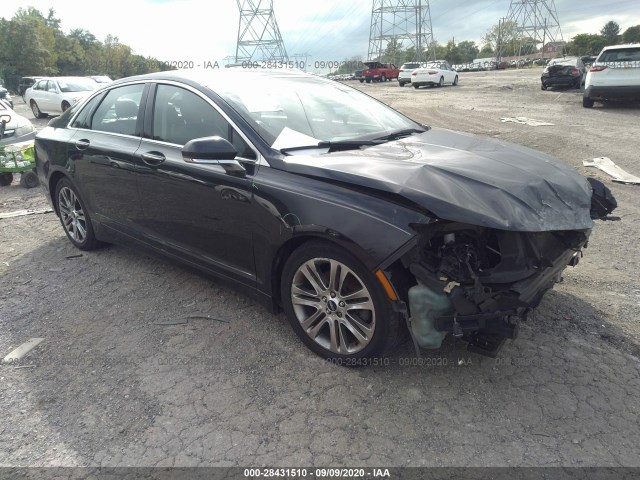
{"x":526,"y":121}
{"x":609,"y":167}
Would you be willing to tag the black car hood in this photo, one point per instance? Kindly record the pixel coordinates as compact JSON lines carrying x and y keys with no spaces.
{"x":464,"y":178}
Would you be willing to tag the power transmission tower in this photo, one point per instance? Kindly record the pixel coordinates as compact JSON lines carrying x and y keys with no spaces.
{"x":536,"y":23}
{"x":396,"y":22}
{"x":258,"y":33}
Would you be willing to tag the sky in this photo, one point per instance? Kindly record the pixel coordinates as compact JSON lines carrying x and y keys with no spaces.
{"x":328,"y":30}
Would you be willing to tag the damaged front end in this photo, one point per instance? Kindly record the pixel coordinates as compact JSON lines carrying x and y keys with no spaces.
{"x":477,"y":283}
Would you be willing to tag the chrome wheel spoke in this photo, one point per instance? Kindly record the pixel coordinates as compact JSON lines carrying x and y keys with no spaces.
{"x":333,"y":334}
{"x":312,"y":275}
{"x":309,"y":322}
{"x":80,"y":230}
{"x":358,"y":329}
{"x":315,"y":331}
{"x":363,"y":304}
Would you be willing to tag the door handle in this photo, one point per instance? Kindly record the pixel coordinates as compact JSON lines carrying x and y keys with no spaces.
{"x":82,"y":144}
{"x":153,"y":158}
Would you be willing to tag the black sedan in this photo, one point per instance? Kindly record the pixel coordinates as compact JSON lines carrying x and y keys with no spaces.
{"x":563,"y":72}
{"x":363,"y":225}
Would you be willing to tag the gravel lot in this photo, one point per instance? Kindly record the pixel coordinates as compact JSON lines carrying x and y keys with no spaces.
{"x":133,"y":373}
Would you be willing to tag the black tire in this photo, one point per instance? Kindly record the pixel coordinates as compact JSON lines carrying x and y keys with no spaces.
{"x":455,"y":81}
{"x":383,"y":78}
{"x":368,"y":80}
{"x":36,"y":110}
{"x":401,"y":84}
{"x":361,"y":81}
{"x":65,"y":106}
{"x":577,"y":84}
{"x":6,"y":179}
{"x":416,"y":86}
{"x":29,"y":179}
{"x":587,"y":102}
{"x":543,"y":86}
{"x":71,"y":222}
{"x":365,"y":332}
{"x":441,"y":82}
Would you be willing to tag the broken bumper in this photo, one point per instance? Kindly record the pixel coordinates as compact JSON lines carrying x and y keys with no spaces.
{"x":478,"y":283}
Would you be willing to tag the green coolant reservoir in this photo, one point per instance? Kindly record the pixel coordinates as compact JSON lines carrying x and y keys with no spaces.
{"x":426,"y":305}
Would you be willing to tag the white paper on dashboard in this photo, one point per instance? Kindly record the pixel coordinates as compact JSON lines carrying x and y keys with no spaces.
{"x":289,"y":138}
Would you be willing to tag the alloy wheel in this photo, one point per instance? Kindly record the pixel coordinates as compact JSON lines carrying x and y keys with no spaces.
{"x":72,"y":215}
{"x":333,"y":306}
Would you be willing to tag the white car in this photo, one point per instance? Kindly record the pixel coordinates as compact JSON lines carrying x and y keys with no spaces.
{"x":434,"y":73}
{"x":54,"y":95}
{"x":14,"y":128}
{"x":406,"y":70}
{"x":615,"y":75}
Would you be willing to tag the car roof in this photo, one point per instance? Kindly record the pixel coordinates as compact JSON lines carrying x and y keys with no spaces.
{"x":626,"y":45}
{"x":210,"y":76}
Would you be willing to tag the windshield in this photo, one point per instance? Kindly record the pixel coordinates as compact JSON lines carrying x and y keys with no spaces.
{"x":303,"y":111}
{"x":77,"y":85}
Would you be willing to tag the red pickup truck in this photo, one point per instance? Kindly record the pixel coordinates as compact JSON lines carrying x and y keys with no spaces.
{"x":379,"y":72}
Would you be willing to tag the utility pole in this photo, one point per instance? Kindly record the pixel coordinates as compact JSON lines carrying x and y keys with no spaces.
{"x":258,"y":33}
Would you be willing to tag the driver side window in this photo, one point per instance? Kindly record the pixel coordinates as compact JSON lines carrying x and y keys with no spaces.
{"x":180,"y":115}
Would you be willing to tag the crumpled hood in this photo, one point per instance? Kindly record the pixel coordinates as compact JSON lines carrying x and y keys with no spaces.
{"x":465,"y":178}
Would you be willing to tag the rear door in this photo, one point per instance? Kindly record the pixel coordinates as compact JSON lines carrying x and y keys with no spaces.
{"x":108,"y":135}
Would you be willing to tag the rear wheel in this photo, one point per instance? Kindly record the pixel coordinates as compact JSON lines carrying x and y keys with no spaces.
{"x":29,"y":179}
{"x":543,"y":86}
{"x":416,"y":86}
{"x":6,"y":179}
{"x":74,"y":216}
{"x":401,"y":84}
{"x":383,"y":78}
{"x":587,"y":102}
{"x":368,"y":80}
{"x":335,"y":305}
{"x":36,"y":110}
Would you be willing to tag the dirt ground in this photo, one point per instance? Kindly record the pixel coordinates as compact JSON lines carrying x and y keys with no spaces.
{"x":131,"y":371}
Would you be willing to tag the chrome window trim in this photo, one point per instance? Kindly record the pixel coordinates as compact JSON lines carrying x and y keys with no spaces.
{"x":260,"y":160}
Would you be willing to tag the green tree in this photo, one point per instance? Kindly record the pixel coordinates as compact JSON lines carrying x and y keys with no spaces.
{"x":503,"y":37}
{"x":468,"y":51}
{"x":610,"y":32}
{"x":631,"y":35}
{"x":586,"y":44}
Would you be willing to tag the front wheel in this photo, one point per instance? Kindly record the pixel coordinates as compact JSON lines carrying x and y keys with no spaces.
{"x":74,"y":216}
{"x":361,"y":81}
{"x":383,"y":78}
{"x":441,"y":82}
{"x":335,"y":305}
{"x":65,"y":106}
{"x":455,"y":81}
{"x":416,"y":86}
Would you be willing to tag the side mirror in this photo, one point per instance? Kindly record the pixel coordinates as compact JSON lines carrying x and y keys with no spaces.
{"x":214,"y":151}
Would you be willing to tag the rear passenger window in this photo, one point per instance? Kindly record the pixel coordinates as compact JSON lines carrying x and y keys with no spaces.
{"x":118,"y":112}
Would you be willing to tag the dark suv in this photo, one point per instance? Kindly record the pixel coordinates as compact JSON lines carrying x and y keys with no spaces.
{"x":25,"y":83}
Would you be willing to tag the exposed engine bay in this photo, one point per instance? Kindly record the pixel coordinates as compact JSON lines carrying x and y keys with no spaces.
{"x":478,"y":283}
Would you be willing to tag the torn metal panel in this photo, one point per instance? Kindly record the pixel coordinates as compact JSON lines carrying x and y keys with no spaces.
{"x":527,"y":121}
{"x":465,"y":178}
{"x":610,"y":168}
